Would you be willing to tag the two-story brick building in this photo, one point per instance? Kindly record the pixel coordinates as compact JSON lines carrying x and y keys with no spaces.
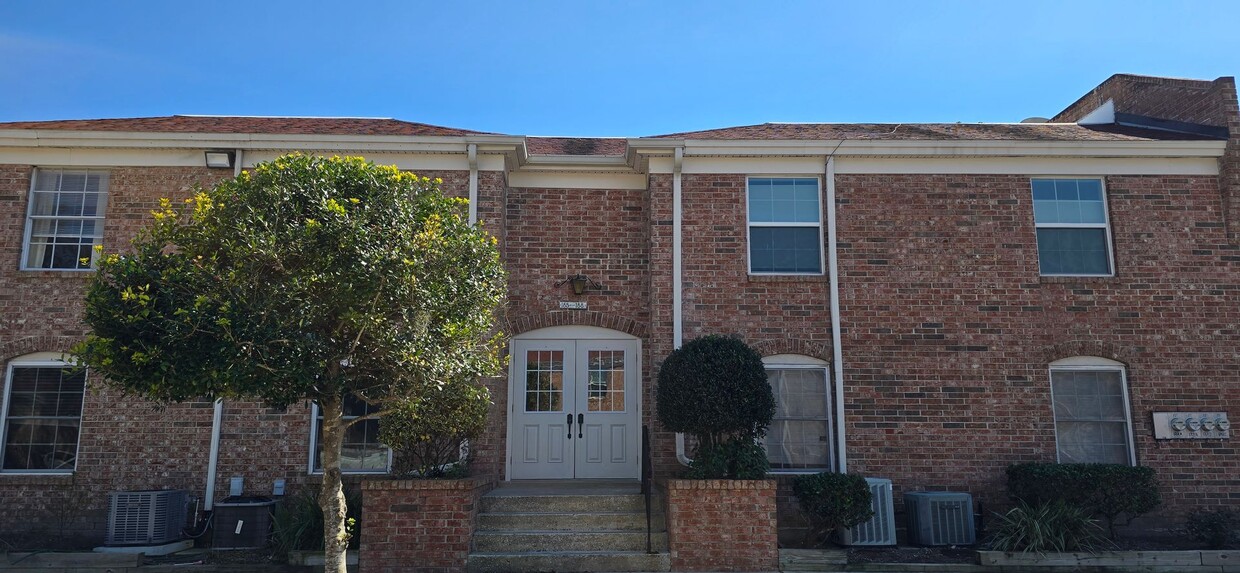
{"x":934,"y":301}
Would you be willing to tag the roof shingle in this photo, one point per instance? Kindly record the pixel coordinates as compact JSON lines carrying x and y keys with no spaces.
{"x":238,"y":124}
{"x":933,"y":132}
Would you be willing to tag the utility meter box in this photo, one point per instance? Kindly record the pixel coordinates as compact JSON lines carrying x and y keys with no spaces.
{"x":242,"y":522}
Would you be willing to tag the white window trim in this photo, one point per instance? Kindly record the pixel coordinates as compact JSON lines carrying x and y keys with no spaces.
{"x":30,"y":218}
{"x":802,"y":362}
{"x":38,"y":360}
{"x":1079,"y":363}
{"x":1105,"y":225}
{"x":314,"y":448}
{"x":822,"y":264}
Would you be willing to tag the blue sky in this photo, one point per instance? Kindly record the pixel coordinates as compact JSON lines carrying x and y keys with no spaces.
{"x":595,"y":68}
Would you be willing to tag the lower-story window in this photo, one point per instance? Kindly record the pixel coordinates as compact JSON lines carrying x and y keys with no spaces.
{"x":800,"y":435}
{"x":1092,"y":419}
{"x":42,"y":416}
{"x":361,"y":451}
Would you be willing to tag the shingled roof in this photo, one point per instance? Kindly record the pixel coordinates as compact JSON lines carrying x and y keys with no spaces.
{"x":933,"y":131}
{"x":576,"y":145}
{"x":239,"y":124}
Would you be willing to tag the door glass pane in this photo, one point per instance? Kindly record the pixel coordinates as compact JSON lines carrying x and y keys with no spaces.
{"x":544,"y":380}
{"x":605,"y":380}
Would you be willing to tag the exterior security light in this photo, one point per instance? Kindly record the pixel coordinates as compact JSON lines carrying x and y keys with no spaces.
{"x":221,"y":159}
{"x":579,"y":283}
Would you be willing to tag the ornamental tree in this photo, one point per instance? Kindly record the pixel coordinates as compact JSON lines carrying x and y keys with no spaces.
{"x":307,"y":278}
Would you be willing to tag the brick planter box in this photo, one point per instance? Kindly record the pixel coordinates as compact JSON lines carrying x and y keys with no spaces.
{"x":422,"y":526}
{"x":722,"y":525}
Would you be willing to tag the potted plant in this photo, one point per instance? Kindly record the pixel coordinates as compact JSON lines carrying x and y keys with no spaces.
{"x":715,"y":389}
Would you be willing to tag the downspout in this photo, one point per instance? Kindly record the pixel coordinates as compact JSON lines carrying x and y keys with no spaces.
{"x":678,"y":335}
{"x":472,"y":151}
{"x":837,"y":346}
{"x":217,"y":418}
{"x":208,"y":498}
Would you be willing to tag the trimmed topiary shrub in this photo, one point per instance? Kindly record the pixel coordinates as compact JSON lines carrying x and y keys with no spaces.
{"x":715,"y":389}
{"x":426,"y":432}
{"x":1112,"y":491}
{"x":830,"y":502}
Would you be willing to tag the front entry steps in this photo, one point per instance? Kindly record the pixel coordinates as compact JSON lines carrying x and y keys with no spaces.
{"x":566,"y":526}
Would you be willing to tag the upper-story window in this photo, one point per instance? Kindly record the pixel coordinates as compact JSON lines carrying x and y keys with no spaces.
{"x":65,"y":219}
{"x":785,"y":225}
{"x":1073,"y":234}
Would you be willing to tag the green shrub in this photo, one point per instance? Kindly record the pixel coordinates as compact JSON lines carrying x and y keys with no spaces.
{"x":832,"y":501}
{"x":715,"y":388}
{"x":425,"y":432}
{"x":297,"y":522}
{"x":1049,"y":527}
{"x":1216,"y":528}
{"x":1112,"y":491}
{"x":736,"y":458}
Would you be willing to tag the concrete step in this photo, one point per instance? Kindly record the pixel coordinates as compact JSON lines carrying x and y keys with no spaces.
{"x":545,"y":541}
{"x":563,"y":503}
{"x":568,"y":561}
{"x":570,"y":521}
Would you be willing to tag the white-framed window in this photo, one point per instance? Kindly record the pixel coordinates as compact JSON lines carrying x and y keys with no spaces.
{"x":41,"y":418}
{"x":361,"y":452}
{"x":64,"y":220}
{"x":1074,"y":235}
{"x":800,"y":435}
{"x":785,"y":225}
{"x":1093,"y":423}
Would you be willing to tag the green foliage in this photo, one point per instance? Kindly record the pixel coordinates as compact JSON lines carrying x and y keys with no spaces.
{"x":426,"y":432}
{"x":715,"y":388}
{"x":735,"y":458}
{"x":1113,"y":491}
{"x":297,"y":522}
{"x":1048,"y":527}
{"x":831,"y":501}
{"x":307,"y":277}
{"x":1217,"y":528}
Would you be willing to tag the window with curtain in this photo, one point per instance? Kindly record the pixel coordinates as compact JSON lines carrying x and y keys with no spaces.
{"x":65,"y":219}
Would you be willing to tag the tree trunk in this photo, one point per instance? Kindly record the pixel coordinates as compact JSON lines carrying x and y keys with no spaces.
{"x":331,"y":497}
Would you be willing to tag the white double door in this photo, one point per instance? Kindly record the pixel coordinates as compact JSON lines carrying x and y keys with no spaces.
{"x":574,"y":409}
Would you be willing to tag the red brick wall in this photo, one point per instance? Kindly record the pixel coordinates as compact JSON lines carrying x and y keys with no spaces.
{"x":722,"y":525}
{"x":948,"y":328}
{"x":1191,"y":101}
{"x":418,"y":526}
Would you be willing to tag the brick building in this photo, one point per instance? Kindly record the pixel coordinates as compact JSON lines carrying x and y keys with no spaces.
{"x":919,"y":291}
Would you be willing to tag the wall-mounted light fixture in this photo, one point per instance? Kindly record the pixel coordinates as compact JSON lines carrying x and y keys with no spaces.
{"x":221,"y":159}
{"x":579,"y":283}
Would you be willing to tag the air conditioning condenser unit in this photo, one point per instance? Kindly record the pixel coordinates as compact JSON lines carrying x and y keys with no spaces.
{"x":880,"y":529}
{"x":940,"y":518}
{"x":151,"y":517}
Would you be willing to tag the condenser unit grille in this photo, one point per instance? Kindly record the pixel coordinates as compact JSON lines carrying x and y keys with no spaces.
{"x":880,"y":529}
{"x":940,"y":518}
{"x":146,"y":517}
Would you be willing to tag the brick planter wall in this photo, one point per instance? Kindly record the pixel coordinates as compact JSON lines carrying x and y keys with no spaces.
{"x":422,"y":526}
{"x":722,"y":525}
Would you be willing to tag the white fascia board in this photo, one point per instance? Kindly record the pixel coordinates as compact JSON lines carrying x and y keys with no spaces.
{"x":942,"y":148}
{"x":148,"y":140}
{"x":192,"y":157}
{"x":578,"y":161}
{"x":851,"y":165}
{"x":407,"y":161}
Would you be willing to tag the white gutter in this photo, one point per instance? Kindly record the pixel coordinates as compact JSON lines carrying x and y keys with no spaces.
{"x":678,"y":335}
{"x":939,"y":148}
{"x":472,"y":151}
{"x":208,"y":498}
{"x":837,"y":346}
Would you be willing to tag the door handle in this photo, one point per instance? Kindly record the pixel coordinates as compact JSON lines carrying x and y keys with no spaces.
{"x":581,"y":423}
{"x":570,"y":426}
